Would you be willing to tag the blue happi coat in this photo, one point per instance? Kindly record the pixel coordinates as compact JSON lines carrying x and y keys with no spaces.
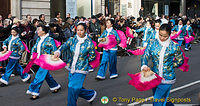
{"x":172,"y":58}
{"x":15,"y":45}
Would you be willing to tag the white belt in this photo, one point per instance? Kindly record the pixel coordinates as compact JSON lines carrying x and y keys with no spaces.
{"x":76,"y":71}
{"x":168,"y":81}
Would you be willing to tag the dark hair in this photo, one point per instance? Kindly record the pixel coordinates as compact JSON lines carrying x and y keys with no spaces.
{"x":99,"y":15}
{"x":84,"y":25}
{"x":76,"y":17}
{"x":57,"y":13}
{"x":93,"y":17}
{"x":40,"y":16}
{"x":34,"y":20}
{"x":111,"y":21}
{"x":44,"y":28}
{"x":165,"y":27}
{"x":15,"y":29}
{"x":158,"y":21}
{"x":27,"y":15}
{"x":138,"y":19}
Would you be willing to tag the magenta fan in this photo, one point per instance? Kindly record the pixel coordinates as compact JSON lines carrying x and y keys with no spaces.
{"x":109,"y":43}
{"x":144,"y":81}
{"x":123,"y":39}
{"x":129,"y":33}
{"x":96,"y":62}
{"x":47,"y":62}
{"x":5,"y":56}
{"x":137,"y":52}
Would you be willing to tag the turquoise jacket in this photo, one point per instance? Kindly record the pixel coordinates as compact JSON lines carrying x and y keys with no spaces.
{"x":147,"y":34}
{"x":48,"y":46}
{"x":182,"y":35}
{"x":86,"y":53}
{"x":113,"y":32}
{"x":16,"y":47}
{"x":172,"y":58}
{"x":188,"y":30}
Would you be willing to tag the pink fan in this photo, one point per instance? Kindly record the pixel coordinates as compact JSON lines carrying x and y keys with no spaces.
{"x":144,"y":81}
{"x":5,"y":56}
{"x":185,"y":66}
{"x":137,"y":52}
{"x":188,"y":39}
{"x":123,"y":39}
{"x":29,"y":65}
{"x":129,"y":33}
{"x":109,"y":43}
{"x":95,"y":44}
{"x":57,"y":43}
{"x":26,"y":48}
{"x":96,"y":62}
{"x":175,"y":35}
{"x":47,"y":62}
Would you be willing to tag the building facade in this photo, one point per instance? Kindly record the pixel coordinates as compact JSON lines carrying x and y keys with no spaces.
{"x":20,"y":8}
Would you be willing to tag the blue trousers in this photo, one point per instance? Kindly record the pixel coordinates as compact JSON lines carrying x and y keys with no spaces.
{"x":161,"y":93}
{"x":180,"y":42}
{"x":12,"y":65}
{"x":110,"y":57}
{"x":75,"y":89}
{"x":41,"y":75}
{"x":187,"y":45}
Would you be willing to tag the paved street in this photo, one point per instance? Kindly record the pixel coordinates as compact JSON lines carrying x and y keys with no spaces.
{"x":14,"y":94}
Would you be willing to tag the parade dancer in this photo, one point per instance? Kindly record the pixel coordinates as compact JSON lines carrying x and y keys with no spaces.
{"x":166,"y":55}
{"x":13,"y":43}
{"x":82,"y":52}
{"x":109,"y":56}
{"x":148,"y":33}
{"x":156,"y":31}
{"x":179,"y":29}
{"x":189,"y":32}
{"x":43,"y":45}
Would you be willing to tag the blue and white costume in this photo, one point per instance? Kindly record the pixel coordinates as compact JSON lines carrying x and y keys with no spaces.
{"x":82,"y":52}
{"x":44,"y":45}
{"x":155,"y":34}
{"x":148,"y":33}
{"x":14,"y":44}
{"x":189,"y":31}
{"x":165,"y":57}
{"x":109,"y":56}
{"x":180,"y":38}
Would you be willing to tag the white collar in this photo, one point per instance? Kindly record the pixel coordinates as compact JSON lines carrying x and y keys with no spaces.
{"x":165,"y":43}
{"x":43,"y":37}
{"x":14,"y":37}
{"x":81,"y":40}
{"x":109,"y":29}
{"x":157,"y":30}
{"x":180,"y":25}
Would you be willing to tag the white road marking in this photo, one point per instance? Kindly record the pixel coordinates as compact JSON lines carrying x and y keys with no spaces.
{"x":173,"y":90}
{"x":174,"y":104}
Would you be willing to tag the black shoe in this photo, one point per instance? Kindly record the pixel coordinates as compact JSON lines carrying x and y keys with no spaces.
{"x":56,"y":90}
{"x":34,"y":97}
{"x":3,"y":85}
{"x":99,"y":79}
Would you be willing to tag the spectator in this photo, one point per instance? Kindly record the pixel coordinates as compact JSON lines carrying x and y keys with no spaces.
{"x":141,"y":12}
{"x":164,"y":20}
{"x":94,"y":29}
{"x":29,"y":19}
{"x":42,"y":19}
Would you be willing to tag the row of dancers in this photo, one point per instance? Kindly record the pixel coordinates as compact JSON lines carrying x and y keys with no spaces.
{"x":165,"y":53}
